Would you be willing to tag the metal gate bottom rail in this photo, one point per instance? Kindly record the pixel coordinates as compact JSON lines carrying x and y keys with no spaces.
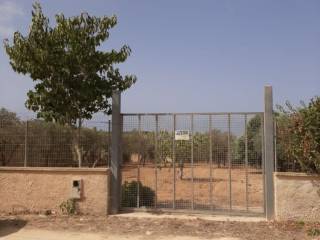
{"x":189,"y":211}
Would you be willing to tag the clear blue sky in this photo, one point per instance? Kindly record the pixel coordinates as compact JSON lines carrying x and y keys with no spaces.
{"x":193,"y":56}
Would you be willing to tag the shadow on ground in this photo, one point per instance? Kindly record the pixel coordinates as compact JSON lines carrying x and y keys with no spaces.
{"x":9,"y":226}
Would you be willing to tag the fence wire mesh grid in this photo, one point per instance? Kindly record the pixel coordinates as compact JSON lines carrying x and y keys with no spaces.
{"x":217,"y":165}
{"x":35,"y":143}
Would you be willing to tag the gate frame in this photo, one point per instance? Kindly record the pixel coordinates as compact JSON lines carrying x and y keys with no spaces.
{"x":267,"y":155}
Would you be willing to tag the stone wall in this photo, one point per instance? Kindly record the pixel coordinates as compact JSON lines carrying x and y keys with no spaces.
{"x":297,"y":196}
{"x":36,"y":190}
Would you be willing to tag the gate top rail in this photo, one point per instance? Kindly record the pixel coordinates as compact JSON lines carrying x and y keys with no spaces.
{"x":190,"y":113}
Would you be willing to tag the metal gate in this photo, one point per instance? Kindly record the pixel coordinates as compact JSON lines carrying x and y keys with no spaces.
{"x":193,"y":161}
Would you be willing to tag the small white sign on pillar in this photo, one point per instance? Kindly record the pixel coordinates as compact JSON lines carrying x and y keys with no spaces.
{"x":183,"y":135}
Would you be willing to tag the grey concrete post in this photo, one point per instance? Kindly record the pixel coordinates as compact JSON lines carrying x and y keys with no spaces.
{"x":269,"y":152}
{"x":116,"y":156}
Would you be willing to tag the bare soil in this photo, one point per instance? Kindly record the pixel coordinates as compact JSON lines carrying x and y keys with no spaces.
{"x":150,"y":228}
{"x":209,"y":192}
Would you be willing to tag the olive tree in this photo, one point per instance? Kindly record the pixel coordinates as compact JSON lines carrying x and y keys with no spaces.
{"x":73,"y":77}
{"x":11,"y":138}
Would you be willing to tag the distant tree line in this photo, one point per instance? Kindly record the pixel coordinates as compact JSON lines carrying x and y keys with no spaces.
{"x":50,"y":144}
{"x":145,"y":147}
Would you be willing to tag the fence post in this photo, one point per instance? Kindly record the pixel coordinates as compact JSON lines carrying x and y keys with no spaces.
{"x":229,"y":162}
{"x":79,"y":143}
{"x":25,"y":162}
{"x":269,"y":151}
{"x":115,"y":178}
{"x":109,"y":143}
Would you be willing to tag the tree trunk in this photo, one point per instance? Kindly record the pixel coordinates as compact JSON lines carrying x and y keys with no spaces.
{"x":76,"y":146}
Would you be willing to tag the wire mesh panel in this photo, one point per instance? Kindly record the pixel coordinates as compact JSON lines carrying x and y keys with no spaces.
{"x":51,"y":145}
{"x":183,"y":164}
{"x":138,"y":168}
{"x":131,"y":157}
{"x":146,"y":166}
{"x":95,"y":143}
{"x":164,"y":161}
{"x":36,"y":143}
{"x":238,"y":161}
{"x":202,"y":166}
{"x":12,"y":142}
{"x":220,"y":162}
{"x":255,"y":163}
{"x":193,"y":162}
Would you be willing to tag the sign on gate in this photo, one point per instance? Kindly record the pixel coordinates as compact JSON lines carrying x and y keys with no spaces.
{"x":183,"y":135}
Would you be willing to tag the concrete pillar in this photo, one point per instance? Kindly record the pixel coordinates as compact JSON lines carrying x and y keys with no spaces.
{"x":269,"y":152}
{"x":116,"y":156}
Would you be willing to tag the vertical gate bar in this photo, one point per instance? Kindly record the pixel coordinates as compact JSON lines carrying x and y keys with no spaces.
{"x":174,"y":161}
{"x":156,"y":162}
{"x":25,"y":163}
{"x":139,"y":159}
{"x":229,"y":161}
{"x":192,"y":180}
{"x":79,"y":142}
{"x":210,"y":159}
{"x":246,"y":160}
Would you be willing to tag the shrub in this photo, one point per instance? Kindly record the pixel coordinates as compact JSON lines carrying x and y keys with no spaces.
{"x":301,"y":140}
{"x":130,"y":193}
{"x":68,"y":207}
{"x":313,"y":232}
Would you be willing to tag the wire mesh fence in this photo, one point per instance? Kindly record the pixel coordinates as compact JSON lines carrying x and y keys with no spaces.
{"x":177,"y":161}
{"x":35,"y":143}
{"x":193,"y":161}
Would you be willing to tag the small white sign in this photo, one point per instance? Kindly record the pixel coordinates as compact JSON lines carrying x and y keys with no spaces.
{"x":183,"y":135}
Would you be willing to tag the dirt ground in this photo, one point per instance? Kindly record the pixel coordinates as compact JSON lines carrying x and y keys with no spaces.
{"x":114,"y":227}
{"x":246,"y":187}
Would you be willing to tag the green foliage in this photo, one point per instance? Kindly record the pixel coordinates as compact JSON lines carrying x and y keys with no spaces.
{"x":143,"y":144}
{"x":6,"y":115}
{"x":68,"y":207}
{"x":254,"y":141}
{"x":299,"y":138}
{"x":314,"y":232}
{"x":139,"y":143}
{"x":73,"y":79}
{"x":49,"y":144}
{"x":11,"y":137}
{"x":301,"y":223}
{"x":130,"y":193}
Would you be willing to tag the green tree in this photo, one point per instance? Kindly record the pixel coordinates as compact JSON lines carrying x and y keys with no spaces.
{"x":73,"y":78}
{"x":254,"y":141}
{"x":11,"y":139}
{"x":139,"y":143}
{"x":299,"y":135}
